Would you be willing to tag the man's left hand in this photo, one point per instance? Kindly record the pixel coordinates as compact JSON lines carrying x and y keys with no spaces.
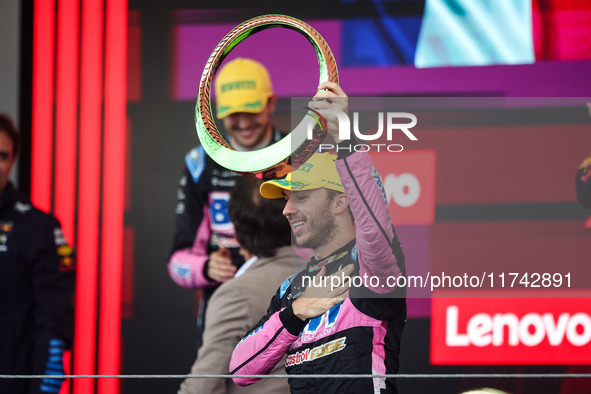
{"x":330,"y":96}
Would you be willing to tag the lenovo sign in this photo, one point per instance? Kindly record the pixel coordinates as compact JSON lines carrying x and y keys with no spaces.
{"x":511,"y":331}
{"x":484,"y":329}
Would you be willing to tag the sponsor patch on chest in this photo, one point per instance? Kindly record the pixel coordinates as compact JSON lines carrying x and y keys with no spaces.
{"x":316,"y":352}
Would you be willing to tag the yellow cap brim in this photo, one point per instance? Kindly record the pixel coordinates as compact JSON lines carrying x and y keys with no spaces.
{"x":319,"y":171}
{"x":274,"y":188}
{"x":270,"y":190}
{"x":249,"y":104}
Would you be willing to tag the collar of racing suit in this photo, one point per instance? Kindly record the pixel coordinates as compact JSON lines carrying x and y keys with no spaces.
{"x":335,"y":261}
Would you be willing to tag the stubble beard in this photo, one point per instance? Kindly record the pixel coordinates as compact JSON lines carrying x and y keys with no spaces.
{"x":322,"y":230}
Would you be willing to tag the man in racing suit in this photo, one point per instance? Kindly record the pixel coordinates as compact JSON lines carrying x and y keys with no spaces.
{"x":205,"y":251}
{"x":324,"y":330}
{"x":37,"y":279}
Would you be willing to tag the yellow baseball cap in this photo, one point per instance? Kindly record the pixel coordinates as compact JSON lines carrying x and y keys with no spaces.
{"x":242,"y":85}
{"x":318,"y":171}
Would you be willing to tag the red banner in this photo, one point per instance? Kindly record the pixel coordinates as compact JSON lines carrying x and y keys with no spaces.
{"x":409,"y":182}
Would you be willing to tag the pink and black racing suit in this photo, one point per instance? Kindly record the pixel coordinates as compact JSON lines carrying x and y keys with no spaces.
{"x":361,"y":335}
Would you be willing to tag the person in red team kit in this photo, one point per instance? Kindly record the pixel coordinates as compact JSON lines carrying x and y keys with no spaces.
{"x":336,"y":206}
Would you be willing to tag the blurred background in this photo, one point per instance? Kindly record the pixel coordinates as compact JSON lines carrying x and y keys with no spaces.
{"x":103,"y":92}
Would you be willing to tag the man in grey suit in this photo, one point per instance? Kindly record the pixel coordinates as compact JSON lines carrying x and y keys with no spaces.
{"x":236,"y":306}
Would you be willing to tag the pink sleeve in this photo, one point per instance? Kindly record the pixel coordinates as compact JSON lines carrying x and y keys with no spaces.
{"x":186,"y":265}
{"x":373,"y":223}
{"x":261,"y":350}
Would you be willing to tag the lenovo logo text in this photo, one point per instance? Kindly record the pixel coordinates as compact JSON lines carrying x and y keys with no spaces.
{"x":502,"y":329}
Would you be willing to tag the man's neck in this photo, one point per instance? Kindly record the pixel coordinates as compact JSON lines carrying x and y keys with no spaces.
{"x":323,"y":252}
{"x":342,"y":236}
{"x":246,"y":254}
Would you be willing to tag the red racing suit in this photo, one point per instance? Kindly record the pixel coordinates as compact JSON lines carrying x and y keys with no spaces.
{"x":361,"y":335}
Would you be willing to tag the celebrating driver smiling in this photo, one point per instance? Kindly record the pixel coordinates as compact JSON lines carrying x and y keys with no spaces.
{"x":335,"y":206}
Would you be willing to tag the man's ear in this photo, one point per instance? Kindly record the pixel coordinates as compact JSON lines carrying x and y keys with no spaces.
{"x":271,"y":103}
{"x":340,"y":204}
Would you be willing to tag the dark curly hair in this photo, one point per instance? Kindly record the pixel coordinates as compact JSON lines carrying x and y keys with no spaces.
{"x":260,"y":225}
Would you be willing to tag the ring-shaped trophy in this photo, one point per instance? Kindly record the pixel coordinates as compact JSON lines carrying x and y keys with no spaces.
{"x":291,"y":151}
